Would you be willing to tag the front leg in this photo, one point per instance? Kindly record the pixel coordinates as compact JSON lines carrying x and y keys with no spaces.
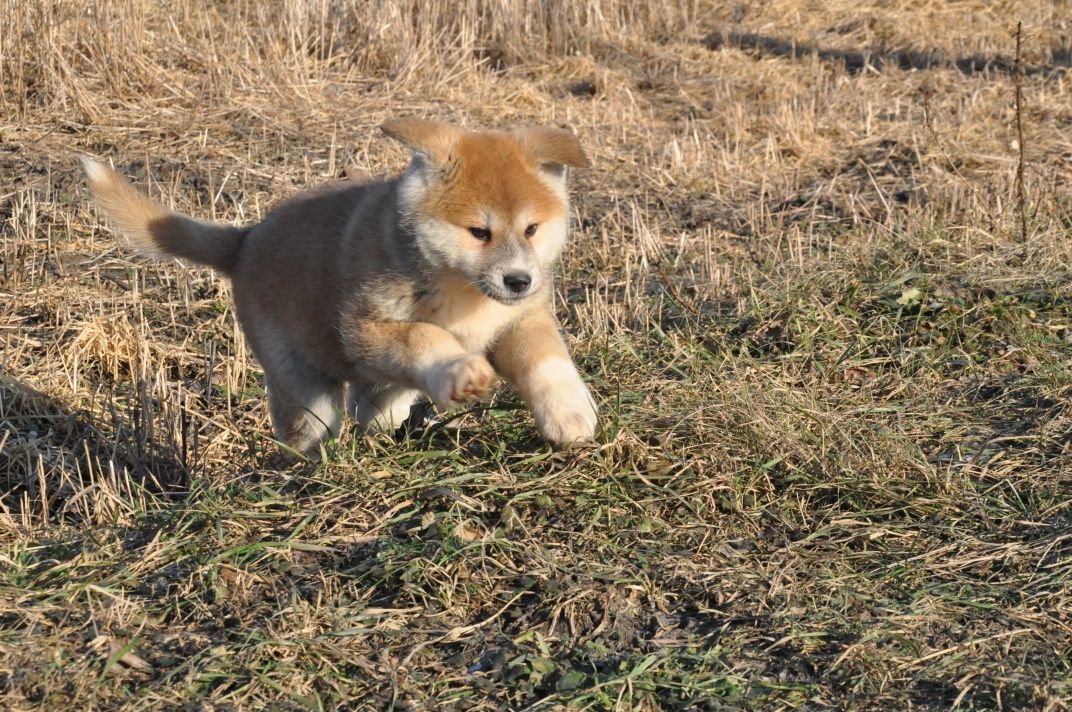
{"x":420,"y":356}
{"x":532,"y":356}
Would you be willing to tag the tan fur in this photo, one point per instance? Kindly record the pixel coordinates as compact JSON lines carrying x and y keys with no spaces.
{"x":383,"y":289}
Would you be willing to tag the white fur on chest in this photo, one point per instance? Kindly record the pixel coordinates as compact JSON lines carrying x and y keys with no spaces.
{"x":472,"y":318}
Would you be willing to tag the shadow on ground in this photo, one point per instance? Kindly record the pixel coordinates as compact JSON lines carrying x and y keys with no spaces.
{"x":56,"y":461}
{"x":878,"y":58}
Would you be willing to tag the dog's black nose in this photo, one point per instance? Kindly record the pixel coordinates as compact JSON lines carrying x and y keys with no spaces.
{"x":517,"y":282}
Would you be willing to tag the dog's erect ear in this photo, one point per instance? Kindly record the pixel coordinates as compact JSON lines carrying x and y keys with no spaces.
{"x":552,"y":148}
{"x":431,"y":139}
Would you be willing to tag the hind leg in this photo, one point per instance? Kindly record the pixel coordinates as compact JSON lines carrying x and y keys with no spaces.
{"x":305,"y":411}
{"x":305,"y":404}
{"x":380,"y":408}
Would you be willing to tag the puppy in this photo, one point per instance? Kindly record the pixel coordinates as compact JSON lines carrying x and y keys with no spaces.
{"x":371,"y":294}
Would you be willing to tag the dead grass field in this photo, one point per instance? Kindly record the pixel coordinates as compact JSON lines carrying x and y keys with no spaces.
{"x":834,"y":471}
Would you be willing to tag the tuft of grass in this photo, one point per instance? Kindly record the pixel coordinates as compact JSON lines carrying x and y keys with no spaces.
{"x":834,"y":381}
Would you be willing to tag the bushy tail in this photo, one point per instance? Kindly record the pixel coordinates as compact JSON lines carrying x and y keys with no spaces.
{"x":153,"y":228}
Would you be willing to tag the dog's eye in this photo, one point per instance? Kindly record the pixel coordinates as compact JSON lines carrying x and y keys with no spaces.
{"x":531,"y":230}
{"x":480,"y":233}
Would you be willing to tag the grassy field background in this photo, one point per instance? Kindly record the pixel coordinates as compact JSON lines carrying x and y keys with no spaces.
{"x":834,"y":376}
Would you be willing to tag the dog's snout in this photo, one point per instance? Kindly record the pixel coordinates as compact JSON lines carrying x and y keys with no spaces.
{"x":517,"y":282}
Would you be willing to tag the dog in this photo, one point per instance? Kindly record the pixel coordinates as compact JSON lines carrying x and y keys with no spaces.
{"x":370,"y":294}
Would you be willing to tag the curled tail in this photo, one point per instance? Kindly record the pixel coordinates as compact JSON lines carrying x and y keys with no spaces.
{"x":153,"y":228}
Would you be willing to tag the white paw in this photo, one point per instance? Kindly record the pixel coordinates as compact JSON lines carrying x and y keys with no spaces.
{"x":562,"y":406}
{"x":461,"y":380}
{"x":381,"y":409}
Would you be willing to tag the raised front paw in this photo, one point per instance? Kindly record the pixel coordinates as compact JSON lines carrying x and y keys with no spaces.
{"x":461,"y":380}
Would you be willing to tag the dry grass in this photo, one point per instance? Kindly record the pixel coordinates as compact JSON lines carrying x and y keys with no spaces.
{"x":835,"y":472}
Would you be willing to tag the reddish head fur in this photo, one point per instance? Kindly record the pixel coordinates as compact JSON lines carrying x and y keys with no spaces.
{"x":489,"y":173}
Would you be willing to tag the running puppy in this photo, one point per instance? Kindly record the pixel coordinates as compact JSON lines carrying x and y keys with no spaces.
{"x":371,"y":294}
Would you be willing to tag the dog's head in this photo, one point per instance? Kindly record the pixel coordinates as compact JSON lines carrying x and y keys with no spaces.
{"x":490,"y":205}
